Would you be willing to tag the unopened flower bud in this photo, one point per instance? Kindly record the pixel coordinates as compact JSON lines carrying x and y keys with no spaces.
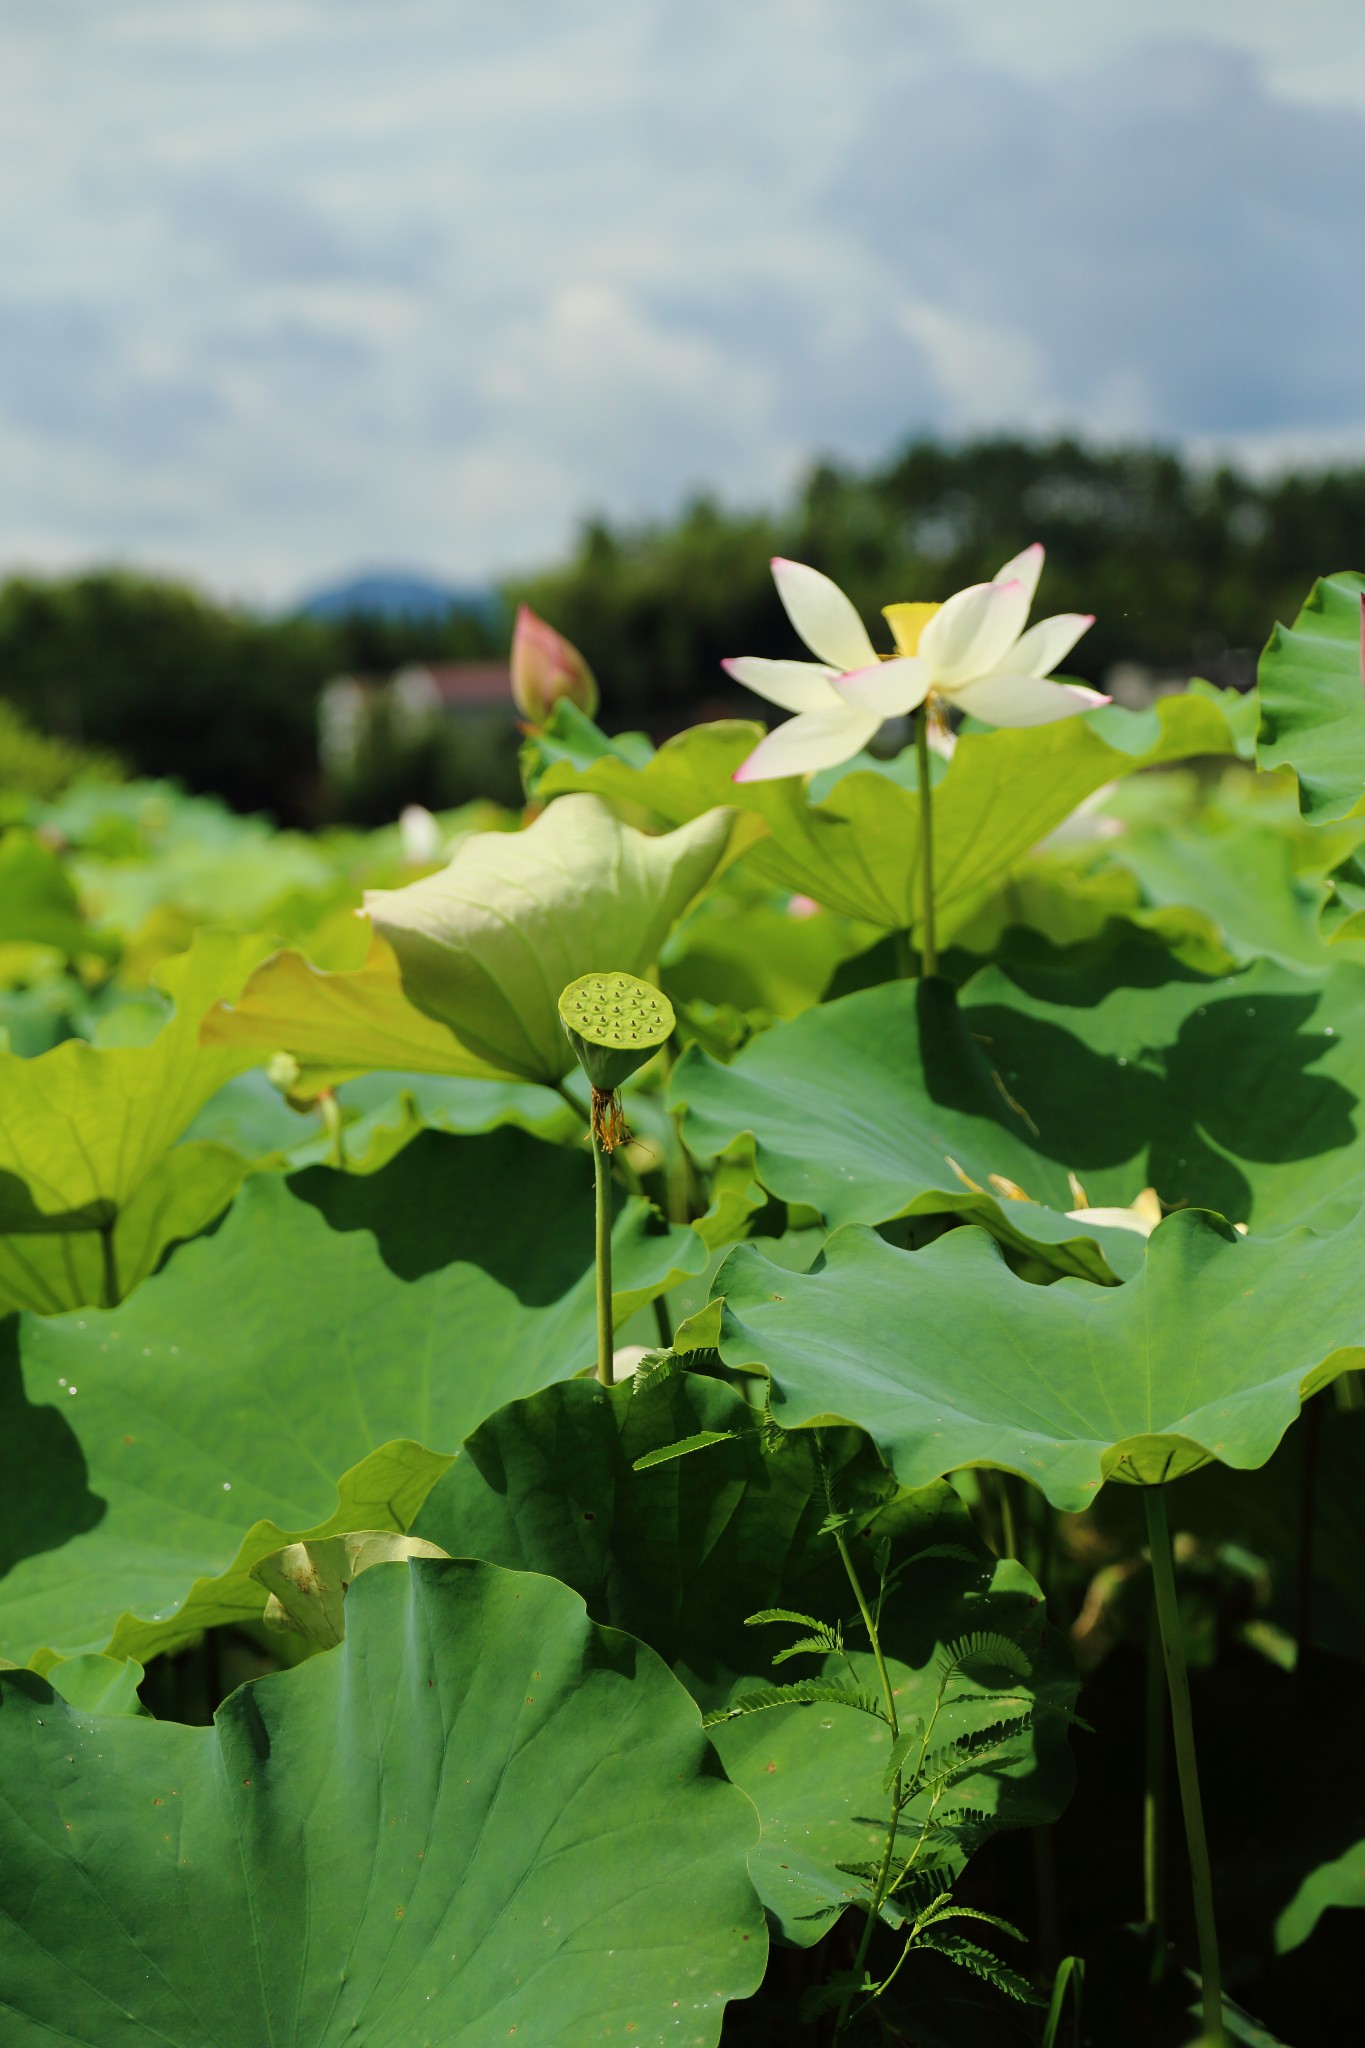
{"x":546,"y":667}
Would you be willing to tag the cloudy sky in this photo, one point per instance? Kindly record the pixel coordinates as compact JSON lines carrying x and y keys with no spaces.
{"x":291,"y":287}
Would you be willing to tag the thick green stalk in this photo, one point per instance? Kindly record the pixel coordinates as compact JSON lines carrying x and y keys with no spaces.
{"x":928,"y":947}
{"x":1186,"y":1763}
{"x":1154,"y":1805}
{"x":601,"y":1167}
{"x":1009,"y":1525}
{"x":1310,"y":1447}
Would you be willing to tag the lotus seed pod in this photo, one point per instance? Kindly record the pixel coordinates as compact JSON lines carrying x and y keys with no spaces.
{"x":614,"y":1024}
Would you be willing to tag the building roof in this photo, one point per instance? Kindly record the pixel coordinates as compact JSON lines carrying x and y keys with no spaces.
{"x":472,"y":684}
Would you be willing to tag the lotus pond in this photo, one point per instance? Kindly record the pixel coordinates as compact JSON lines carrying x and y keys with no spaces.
{"x":728,"y":1409}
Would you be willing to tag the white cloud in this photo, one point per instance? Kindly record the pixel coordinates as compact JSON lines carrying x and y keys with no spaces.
{"x":291,"y":284}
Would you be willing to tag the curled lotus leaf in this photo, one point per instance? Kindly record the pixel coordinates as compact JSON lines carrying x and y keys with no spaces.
{"x":307,"y":1583}
{"x":1313,"y":702}
{"x":487,"y":945}
{"x":94,"y":1181}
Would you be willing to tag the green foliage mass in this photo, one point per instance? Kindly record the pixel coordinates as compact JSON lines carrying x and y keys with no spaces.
{"x":699,"y":1498}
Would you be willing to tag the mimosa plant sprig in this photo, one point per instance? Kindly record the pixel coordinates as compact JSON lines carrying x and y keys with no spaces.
{"x":614,"y":1022}
{"x":908,"y":1884}
{"x":971,"y":654}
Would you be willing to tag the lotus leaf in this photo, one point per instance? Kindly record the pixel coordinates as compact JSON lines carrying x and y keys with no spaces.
{"x":1313,"y":703}
{"x":483,"y":1816}
{"x":93,"y":1185}
{"x":307,"y":1583}
{"x":856,"y":847}
{"x":486,"y":946}
{"x":947,"y":1358}
{"x":38,"y":904}
{"x":1239,"y":1093}
{"x":336,"y":1025}
{"x":275,"y":1382}
{"x":1338,"y":1883}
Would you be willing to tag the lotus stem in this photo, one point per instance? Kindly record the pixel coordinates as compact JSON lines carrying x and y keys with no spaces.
{"x":1311,"y":1446}
{"x":928,"y":946}
{"x":1009,"y":1521}
{"x":1154,"y":1805}
{"x":601,"y":1171}
{"x":1186,"y":1762}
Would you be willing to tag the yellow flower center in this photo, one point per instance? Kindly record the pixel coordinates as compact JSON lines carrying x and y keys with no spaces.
{"x":907,"y":622}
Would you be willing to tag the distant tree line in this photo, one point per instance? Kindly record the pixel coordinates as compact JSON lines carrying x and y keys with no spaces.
{"x":1185,"y":568}
{"x":177,"y":685}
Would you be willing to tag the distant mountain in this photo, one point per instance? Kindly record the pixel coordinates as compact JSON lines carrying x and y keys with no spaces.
{"x":394,"y":594}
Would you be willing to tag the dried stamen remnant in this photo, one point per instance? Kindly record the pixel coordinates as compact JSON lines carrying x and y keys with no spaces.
{"x":608,"y":1122}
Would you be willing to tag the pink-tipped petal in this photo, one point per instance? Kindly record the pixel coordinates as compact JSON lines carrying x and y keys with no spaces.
{"x":890,"y":688}
{"x":822,"y":615}
{"x":795,"y":685}
{"x":1037,"y":652}
{"x":972,"y":633}
{"x":1025,"y":567}
{"x":817,"y":739}
{"x":1024,"y":700}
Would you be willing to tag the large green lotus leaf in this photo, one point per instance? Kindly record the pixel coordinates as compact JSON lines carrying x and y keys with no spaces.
{"x":482,"y":1817}
{"x":947,"y":1358}
{"x":93,"y":1186}
{"x":885,"y":1104}
{"x":1338,"y":1883}
{"x":857,"y":850}
{"x":333,"y":1323}
{"x":1239,"y":1093}
{"x":38,"y":903}
{"x":488,"y":945}
{"x":1313,"y":702}
{"x":683,"y":1553}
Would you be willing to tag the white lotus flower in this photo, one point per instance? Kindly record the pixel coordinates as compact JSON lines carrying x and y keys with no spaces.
{"x":972,"y":652}
{"x":1142,"y":1214}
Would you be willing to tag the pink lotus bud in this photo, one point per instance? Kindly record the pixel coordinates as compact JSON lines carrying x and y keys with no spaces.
{"x":546,"y":667}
